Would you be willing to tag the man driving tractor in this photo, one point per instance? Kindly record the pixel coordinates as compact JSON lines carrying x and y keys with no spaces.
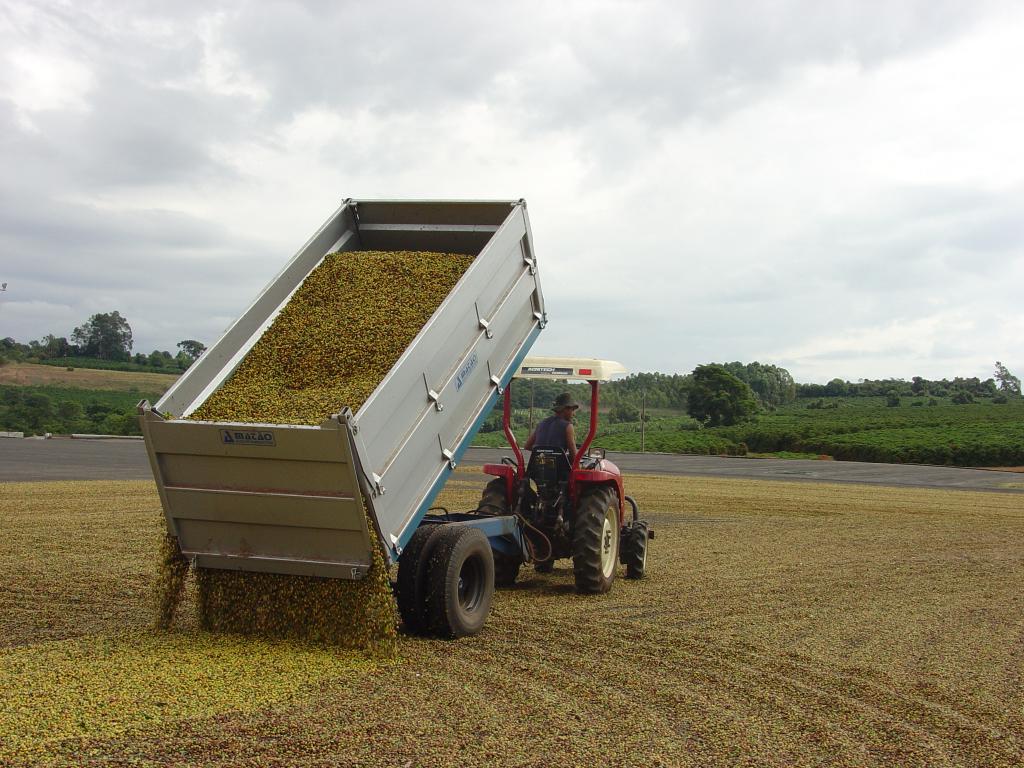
{"x":556,"y":431}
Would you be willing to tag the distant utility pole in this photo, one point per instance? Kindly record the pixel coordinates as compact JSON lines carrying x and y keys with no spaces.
{"x":532,"y":382}
{"x":643,"y":420}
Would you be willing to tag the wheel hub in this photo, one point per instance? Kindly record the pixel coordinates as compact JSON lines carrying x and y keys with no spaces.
{"x":609,"y":538}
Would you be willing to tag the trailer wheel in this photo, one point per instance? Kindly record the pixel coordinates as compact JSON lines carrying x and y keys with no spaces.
{"x":634,"y":549}
{"x":595,"y":541}
{"x":461,"y":574}
{"x":412,"y":577}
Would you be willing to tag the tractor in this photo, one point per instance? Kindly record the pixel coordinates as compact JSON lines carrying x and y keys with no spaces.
{"x":566,"y":508}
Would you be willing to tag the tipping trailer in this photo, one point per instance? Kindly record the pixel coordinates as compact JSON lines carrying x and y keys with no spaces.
{"x":289,"y":499}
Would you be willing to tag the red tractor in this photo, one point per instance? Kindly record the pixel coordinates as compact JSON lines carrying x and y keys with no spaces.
{"x":566,"y":508}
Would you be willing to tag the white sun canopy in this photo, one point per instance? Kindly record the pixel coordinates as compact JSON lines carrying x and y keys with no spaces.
{"x":560,"y":368}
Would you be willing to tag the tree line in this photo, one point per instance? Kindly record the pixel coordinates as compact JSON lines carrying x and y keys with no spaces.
{"x":724,"y":394}
{"x":1002,"y":383}
{"x":714,"y":394}
{"x":105,"y":339}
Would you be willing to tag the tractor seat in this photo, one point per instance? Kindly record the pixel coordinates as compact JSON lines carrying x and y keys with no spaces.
{"x":548,"y":466}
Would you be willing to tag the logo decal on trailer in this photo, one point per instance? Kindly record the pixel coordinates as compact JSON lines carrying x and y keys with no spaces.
{"x":246,"y":437}
{"x":464,"y":371}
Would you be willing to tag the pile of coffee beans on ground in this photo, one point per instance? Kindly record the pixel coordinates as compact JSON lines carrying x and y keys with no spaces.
{"x":170,"y":581}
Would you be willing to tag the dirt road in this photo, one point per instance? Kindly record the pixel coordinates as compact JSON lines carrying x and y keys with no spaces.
{"x":64,"y":459}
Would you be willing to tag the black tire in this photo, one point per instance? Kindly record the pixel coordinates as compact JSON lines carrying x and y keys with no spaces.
{"x":634,"y":550}
{"x":494,"y":500}
{"x":506,"y":569}
{"x":461,"y":574}
{"x":411,"y":592}
{"x":595,"y":541}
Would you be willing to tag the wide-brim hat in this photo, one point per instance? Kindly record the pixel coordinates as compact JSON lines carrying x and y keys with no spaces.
{"x":564,"y":400}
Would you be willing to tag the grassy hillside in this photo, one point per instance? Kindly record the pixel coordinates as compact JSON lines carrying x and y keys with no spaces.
{"x":110,"y":365}
{"x":36,"y":399}
{"x":36,"y":410}
{"x":30,"y":374}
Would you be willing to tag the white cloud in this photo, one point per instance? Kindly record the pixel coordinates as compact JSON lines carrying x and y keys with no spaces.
{"x":832,"y":185}
{"x":219,"y":70}
{"x":38,"y":81}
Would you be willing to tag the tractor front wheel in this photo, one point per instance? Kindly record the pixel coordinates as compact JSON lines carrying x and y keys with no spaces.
{"x":634,"y":549}
{"x":595,"y":540}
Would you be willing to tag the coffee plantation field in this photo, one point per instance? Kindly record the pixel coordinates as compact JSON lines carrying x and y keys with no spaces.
{"x":857,"y":429}
{"x":780,"y":624}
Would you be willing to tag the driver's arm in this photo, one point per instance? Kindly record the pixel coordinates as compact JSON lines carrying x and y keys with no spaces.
{"x":570,"y":442}
{"x":530,"y":441}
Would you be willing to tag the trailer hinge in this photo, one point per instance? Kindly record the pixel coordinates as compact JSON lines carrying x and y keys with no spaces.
{"x":450,"y":457}
{"x":541,"y":318}
{"x":432,"y":395}
{"x":435,"y":398}
{"x":485,"y":324}
{"x":531,"y":263}
{"x":494,"y":379}
{"x":394,"y":544}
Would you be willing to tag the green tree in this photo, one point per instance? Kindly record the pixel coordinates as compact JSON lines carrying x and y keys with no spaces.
{"x":773,"y":386}
{"x":191,"y":348}
{"x":69,"y":410}
{"x":623,"y":411}
{"x":1008,"y":383}
{"x":56,"y":346}
{"x":718,"y":398}
{"x":837,"y":388}
{"x":38,"y":409}
{"x":105,"y":335}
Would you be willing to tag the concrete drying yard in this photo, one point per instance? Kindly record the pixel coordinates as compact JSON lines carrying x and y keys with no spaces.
{"x":780,"y":624}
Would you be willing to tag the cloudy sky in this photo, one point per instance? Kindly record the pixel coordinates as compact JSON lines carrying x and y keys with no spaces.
{"x":835,"y":187}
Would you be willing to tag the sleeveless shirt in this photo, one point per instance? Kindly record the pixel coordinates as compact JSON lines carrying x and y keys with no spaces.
{"x":551,"y":433}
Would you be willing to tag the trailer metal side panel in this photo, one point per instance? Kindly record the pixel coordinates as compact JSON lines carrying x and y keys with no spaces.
{"x":425,"y":410}
{"x":261,"y":497}
{"x":294,"y":503}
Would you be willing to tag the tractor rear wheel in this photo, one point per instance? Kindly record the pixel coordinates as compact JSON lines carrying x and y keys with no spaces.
{"x":494,"y":499}
{"x":595,"y":540}
{"x":411,"y":592}
{"x":634,"y":549}
{"x":461,"y":576}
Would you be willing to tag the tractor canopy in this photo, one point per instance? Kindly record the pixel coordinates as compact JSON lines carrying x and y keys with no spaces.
{"x":561,"y":368}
